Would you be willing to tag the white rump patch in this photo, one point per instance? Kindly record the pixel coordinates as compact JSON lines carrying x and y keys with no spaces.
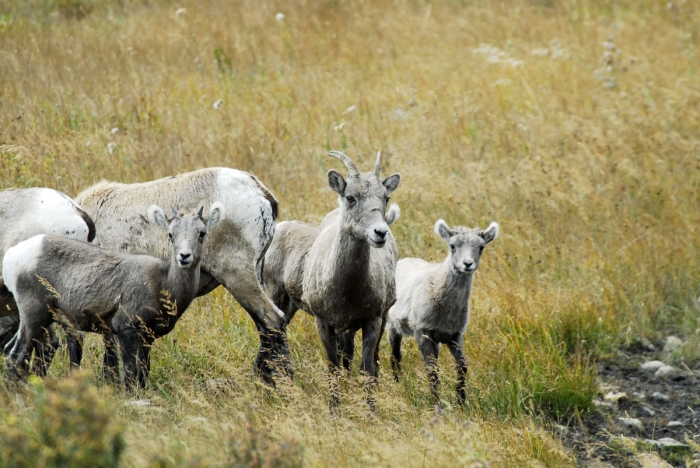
{"x":58,"y":215}
{"x":20,"y":258}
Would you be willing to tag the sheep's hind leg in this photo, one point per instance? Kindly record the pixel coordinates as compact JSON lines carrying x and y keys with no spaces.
{"x":371,"y":334}
{"x":45,"y":347}
{"x":456,"y":347}
{"x":395,"y":342}
{"x":75,"y":347}
{"x":346,"y":348}
{"x":430,"y":349}
{"x":330,"y":345}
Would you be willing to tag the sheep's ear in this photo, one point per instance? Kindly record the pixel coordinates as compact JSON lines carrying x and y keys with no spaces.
{"x":393,"y":214}
{"x":336,"y":181}
{"x":490,"y":233}
{"x":442,"y":230}
{"x":391,"y":183}
{"x":216,"y":212}
{"x":157,"y":215}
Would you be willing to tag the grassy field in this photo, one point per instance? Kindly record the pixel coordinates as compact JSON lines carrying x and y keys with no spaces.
{"x":574,"y":124}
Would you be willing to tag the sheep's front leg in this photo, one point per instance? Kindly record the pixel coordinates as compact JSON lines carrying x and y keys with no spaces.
{"x":110,"y":363}
{"x":430,"y":349}
{"x":456,"y":347}
{"x":131,"y":346}
{"x":330,"y":344}
{"x":75,"y":347}
{"x":44,"y":349}
{"x":371,"y":334}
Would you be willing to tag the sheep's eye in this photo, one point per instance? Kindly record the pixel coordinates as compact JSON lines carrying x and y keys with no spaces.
{"x":452,"y":247}
{"x":201,"y":236}
{"x":170,"y":235}
{"x":350,"y":199}
{"x":481,"y":249}
{"x":388,"y":198}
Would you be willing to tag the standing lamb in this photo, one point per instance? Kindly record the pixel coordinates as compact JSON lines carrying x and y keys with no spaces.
{"x":341,"y":272}
{"x":136,"y":297}
{"x":433,"y":301}
{"x":25,"y":213}
{"x":233,"y":256}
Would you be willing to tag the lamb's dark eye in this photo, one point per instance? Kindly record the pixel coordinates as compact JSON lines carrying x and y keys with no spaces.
{"x":481,"y":249}
{"x":202,"y":235}
{"x":170,"y":235}
{"x":388,"y":198}
{"x":350,"y":200}
{"x":452,"y":247}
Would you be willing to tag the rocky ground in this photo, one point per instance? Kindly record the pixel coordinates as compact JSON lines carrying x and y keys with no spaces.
{"x":647,"y":414}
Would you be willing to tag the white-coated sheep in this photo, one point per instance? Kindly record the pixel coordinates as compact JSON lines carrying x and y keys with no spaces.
{"x":342,"y":272}
{"x":233,"y":256}
{"x":25,"y":213}
{"x":138,"y":298}
{"x":432,"y":302}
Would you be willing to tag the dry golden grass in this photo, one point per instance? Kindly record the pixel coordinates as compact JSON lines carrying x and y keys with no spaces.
{"x":587,"y":154}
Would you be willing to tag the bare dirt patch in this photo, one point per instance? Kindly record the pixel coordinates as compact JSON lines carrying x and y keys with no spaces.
{"x":638,"y":413}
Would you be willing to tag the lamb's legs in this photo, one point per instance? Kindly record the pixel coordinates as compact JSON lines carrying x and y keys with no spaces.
{"x":456,"y":347}
{"x":395,"y":343}
{"x":330,"y":345}
{"x":346,"y":348}
{"x":18,"y":355}
{"x":371,"y":334}
{"x":430,"y":349}
{"x":131,"y":346}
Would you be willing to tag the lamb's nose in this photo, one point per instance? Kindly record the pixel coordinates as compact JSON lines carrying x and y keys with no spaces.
{"x":380,"y":233}
{"x":185,"y":256}
{"x":468,"y":265}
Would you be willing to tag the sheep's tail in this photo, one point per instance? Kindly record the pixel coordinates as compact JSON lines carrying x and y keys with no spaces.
{"x":393,"y":214}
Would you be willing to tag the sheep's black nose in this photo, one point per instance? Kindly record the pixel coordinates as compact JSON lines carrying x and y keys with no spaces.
{"x":380,"y":233}
{"x":468,"y":265}
{"x":185,"y":256}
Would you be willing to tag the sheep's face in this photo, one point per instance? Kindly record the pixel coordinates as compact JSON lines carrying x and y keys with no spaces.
{"x":363,"y":199}
{"x":465,"y":245}
{"x":187,"y":233}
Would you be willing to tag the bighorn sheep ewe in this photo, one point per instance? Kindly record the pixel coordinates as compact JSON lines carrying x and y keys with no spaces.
{"x":25,"y":213}
{"x":233,"y":256}
{"x":433,"y":301}
{"x":136,"y":297}
{"x":341,"y":272}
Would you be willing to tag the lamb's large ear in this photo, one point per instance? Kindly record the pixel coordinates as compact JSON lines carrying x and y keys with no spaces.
{"x":336,"y":181}
{"x":442,"y":230}
{"x":216,"y":212}
{"x":157,"y":215}
{"x":391,"y":183}
{"x":393,"y":214}
{"x":490,"y":233}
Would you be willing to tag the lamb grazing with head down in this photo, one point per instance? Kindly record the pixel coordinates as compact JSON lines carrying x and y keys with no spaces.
{"x":233,"y":256}
{"x":136,"y":297}
{"x":25,"y":213}
{"x":341,"y":272}
{"x":433,"y":301}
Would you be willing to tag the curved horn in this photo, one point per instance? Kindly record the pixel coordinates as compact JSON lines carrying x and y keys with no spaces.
{"x":199,"y":213}
{"x":175,"y":213}
{"x":378,"y":164}
{"x":345,"y":159}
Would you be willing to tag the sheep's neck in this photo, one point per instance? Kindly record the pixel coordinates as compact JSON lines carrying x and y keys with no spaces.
{"x":352,"y":258}
{"x":181,"y":284}
{"x":457,"y":285}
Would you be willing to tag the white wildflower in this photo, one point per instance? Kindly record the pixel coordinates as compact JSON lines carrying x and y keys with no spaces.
{"x":279,"y":16}
{"x":350,"y":109}
{"x":111,"y":147}
{"x":115,"y":130}
{"x":218,"y":103}
{"x":179,"y":12}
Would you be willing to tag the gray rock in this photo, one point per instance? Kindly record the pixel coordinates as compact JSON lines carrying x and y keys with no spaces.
{"x":652,"y":366}
{"x":602,"y":404}
{"x":560,"y":430}
{"x":647,"y":344}
{"x":634,"y":423}
{"x":672,"y":344}
{"x":658,"y":396}
{"x":648,"y":411}
{"x":675,"y":424}
{"x":652,"y":460}
{"x":639,"y":395}
{"x":665,"y":442}
{"x":666,"y":372}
